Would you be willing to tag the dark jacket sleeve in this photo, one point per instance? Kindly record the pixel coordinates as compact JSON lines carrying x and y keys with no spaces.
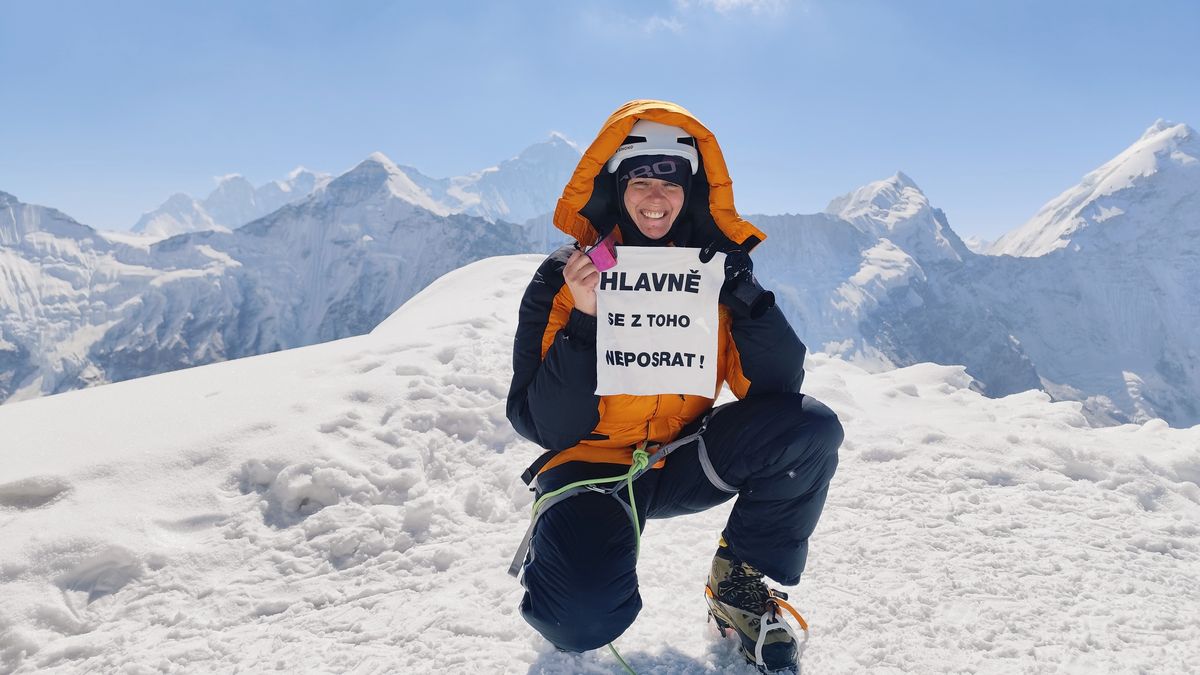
{"x":767,"y":353}
{"x":552,"y":401}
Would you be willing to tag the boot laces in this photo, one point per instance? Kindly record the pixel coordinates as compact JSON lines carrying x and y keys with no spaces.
{"x":744,"y":589}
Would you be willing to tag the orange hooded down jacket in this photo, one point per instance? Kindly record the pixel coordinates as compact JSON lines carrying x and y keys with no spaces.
{"x":552,"y":398}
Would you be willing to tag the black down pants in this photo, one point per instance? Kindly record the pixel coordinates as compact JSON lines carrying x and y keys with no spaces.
{"x":776,"y":452}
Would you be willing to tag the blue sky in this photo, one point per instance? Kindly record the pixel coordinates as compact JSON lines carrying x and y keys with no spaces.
{"x":991,"y":107}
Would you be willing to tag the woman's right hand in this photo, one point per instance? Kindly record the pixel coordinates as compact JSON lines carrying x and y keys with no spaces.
{"x":582,"y":277}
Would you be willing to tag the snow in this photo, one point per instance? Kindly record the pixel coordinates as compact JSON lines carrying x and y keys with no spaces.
{"x":977,"y":244}
{"x":131,"y":239}
{"x":378,"y":169}
{"x":74,"y":347}
{"x":1112,"y":291}
{"x":233,"y":203}
{"x":1128,"y":182}
{"x":890,"y":201}
{"x":380,"y":158}
{"x":563,"y":138}
{"x":897,"y":209}
{"x":296,"y":173}
{"x":884,"y":268}
{"x":221,"y":257}
{"x":352,"y":506}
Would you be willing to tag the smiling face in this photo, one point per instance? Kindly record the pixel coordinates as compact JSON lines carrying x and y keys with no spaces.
{"x":653,"y":205}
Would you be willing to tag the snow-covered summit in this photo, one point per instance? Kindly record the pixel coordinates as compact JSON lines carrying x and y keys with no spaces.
{"x":896,"y":194}
{"x":378,"y":176}
{"x":559,"y":137}
{"x":898,"y":210}
{"x":300,"y":173}
{"x":1176,"y":130}
{"x":178,"y":214}
{"x":555,"y":149}
{"x":516,"y":190}
{"x":233,"y":203}
{"x":524,"y":186}
{"x":1150,"y":192}
{"x":299,"y":184}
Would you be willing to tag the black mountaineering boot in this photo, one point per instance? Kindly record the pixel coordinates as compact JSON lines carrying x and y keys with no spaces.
{"x":739,"y":601}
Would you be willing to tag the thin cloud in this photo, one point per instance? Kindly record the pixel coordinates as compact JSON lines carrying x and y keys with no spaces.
{"x":676,"y":21}
{"x":727,"y":6}
{"x":624,"y":24}
{"x":658,"y":24}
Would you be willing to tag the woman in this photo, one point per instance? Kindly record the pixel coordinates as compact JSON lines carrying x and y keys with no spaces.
{"x":655,"y":176}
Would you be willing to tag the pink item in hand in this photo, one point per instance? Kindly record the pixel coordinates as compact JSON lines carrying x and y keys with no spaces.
{"x":604,"y":253}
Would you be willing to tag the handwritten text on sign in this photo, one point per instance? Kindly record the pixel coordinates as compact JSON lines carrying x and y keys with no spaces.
{"x":657,"y":328}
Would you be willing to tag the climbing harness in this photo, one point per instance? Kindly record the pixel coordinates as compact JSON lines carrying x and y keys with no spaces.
{"x":642,"y":461}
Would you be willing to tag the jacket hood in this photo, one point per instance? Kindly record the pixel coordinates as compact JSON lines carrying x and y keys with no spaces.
{"x":586,"y":209}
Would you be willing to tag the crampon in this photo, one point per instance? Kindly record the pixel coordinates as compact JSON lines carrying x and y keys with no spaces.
{"x":769,"y":653}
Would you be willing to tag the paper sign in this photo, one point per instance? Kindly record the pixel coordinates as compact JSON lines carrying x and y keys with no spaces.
{"x":656,"y":328}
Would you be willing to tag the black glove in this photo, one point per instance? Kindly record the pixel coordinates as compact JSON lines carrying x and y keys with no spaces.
{"x":741,"y":292}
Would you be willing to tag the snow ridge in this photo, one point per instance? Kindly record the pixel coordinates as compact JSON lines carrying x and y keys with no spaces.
{"x":1106,"y":208}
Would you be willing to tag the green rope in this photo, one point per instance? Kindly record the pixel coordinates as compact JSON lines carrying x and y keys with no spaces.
{"x":640,"y":460}
{"x":537,"y":506}
{"x":629,"y":670}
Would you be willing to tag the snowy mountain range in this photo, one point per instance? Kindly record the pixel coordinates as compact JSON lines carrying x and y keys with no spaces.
{"x":516,"y":190}
{"x":1099,"y":308}
{"x":351,"y":507}
{"x":80,"y":307}
{"x":233,"y":203}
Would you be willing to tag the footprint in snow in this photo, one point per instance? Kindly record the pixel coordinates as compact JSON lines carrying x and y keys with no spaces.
{"x":32,"y":493}
{"x":346,"y":421}
{"x":100,"y":575}
{"x":364,"y":368}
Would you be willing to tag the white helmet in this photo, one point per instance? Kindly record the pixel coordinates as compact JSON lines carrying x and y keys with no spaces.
{"x":652,"y":138}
